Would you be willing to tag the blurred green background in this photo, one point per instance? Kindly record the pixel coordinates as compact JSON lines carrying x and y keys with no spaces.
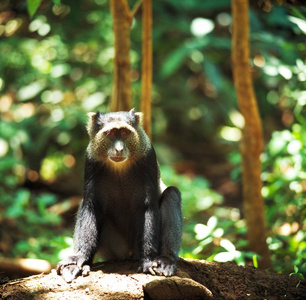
{"x":57,"y":66}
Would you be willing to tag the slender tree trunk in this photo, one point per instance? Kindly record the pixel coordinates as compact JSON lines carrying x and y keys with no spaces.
{"x":251,"y":145}
{"x":146,"y":84}
{"x":122,"y":19}
{"x":121,"y":95}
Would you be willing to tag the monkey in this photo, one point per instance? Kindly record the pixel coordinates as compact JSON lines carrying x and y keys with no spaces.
{"x":127,"y":212}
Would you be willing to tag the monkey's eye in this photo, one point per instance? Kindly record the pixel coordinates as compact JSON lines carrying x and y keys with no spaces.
{"x":111,"y":133}
{"x":124,"y":133}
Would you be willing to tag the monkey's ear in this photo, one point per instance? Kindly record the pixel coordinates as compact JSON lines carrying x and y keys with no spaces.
{"x":132,"y":111}
{"x":91,"y":122}
{"x":91,"y":115}
{"x":139,"y":117}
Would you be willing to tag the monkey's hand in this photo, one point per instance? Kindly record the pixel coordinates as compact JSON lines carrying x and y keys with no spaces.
{"x":161,"y":265}
{"x":71,"y":267}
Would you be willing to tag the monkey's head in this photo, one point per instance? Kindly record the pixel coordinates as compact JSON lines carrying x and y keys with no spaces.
{"x":117,"y":139}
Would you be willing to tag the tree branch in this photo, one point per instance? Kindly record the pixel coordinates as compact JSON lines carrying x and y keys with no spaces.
{"x":136,"y":8}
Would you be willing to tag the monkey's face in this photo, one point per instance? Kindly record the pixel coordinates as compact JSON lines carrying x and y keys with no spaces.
{"x":115,"y":138}
{"x":118,"y":150}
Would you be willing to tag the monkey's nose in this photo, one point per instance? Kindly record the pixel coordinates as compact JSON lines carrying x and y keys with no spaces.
{"x":119,"y":147}
{"x":119,"y":152}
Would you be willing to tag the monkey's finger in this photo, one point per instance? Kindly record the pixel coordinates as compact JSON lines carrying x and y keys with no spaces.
{"x":80,"y":263}
{"x":86,"y":270}
{"x":69,"y":273}
{"x":155,"y":267}
{"x":154,"y":264}
{"x":158,"y":272}
{"x":59,"y":268}
{"x":151,"y":271}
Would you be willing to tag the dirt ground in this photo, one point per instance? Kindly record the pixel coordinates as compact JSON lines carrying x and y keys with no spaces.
{"x":195,"y":279}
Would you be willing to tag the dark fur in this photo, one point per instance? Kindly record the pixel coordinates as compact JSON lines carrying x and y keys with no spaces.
{"x":125,"y":213}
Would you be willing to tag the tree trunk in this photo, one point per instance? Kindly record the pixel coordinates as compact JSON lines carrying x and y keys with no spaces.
{"x":122,"y":19}
{"x":251,"y":144}
{"x":146,"y":83}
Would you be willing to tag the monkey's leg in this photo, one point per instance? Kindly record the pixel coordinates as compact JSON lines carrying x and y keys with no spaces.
{"x":148,"y":238}
{"x":171,"y":232}
{"x":86,"y":239}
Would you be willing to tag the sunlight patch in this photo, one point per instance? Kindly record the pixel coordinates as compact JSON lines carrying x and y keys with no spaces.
{"x":200,"y":26}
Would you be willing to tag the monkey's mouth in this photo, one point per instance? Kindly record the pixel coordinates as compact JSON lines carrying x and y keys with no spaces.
{"x":118,"y":158}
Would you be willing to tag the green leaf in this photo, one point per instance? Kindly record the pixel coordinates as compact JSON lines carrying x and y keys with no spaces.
{"x":224,"y":256}
{"x":212,"y":222}
{"x":255,"y":262}
{"x":174,"y":61}
{"x":57,"y":2}
{"x":202,"y":231}
{"x":33,"y":5}
{"x":228,"y":245}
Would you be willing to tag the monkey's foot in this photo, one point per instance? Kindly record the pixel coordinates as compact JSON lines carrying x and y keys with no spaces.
{"x":71,"y":267}
{"x":161,"y":265}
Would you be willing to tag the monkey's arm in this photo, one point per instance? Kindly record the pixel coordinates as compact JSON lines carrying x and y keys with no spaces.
{"x":87,"y":229}
{"x":149,"y":219}
{"x":162,"y":233}
{"x":148,"y":239}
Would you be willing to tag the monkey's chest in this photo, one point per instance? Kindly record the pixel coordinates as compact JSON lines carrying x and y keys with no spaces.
{"x":119,"y":236}
{"x":122,"y":205}
{"x":122,"y":190}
